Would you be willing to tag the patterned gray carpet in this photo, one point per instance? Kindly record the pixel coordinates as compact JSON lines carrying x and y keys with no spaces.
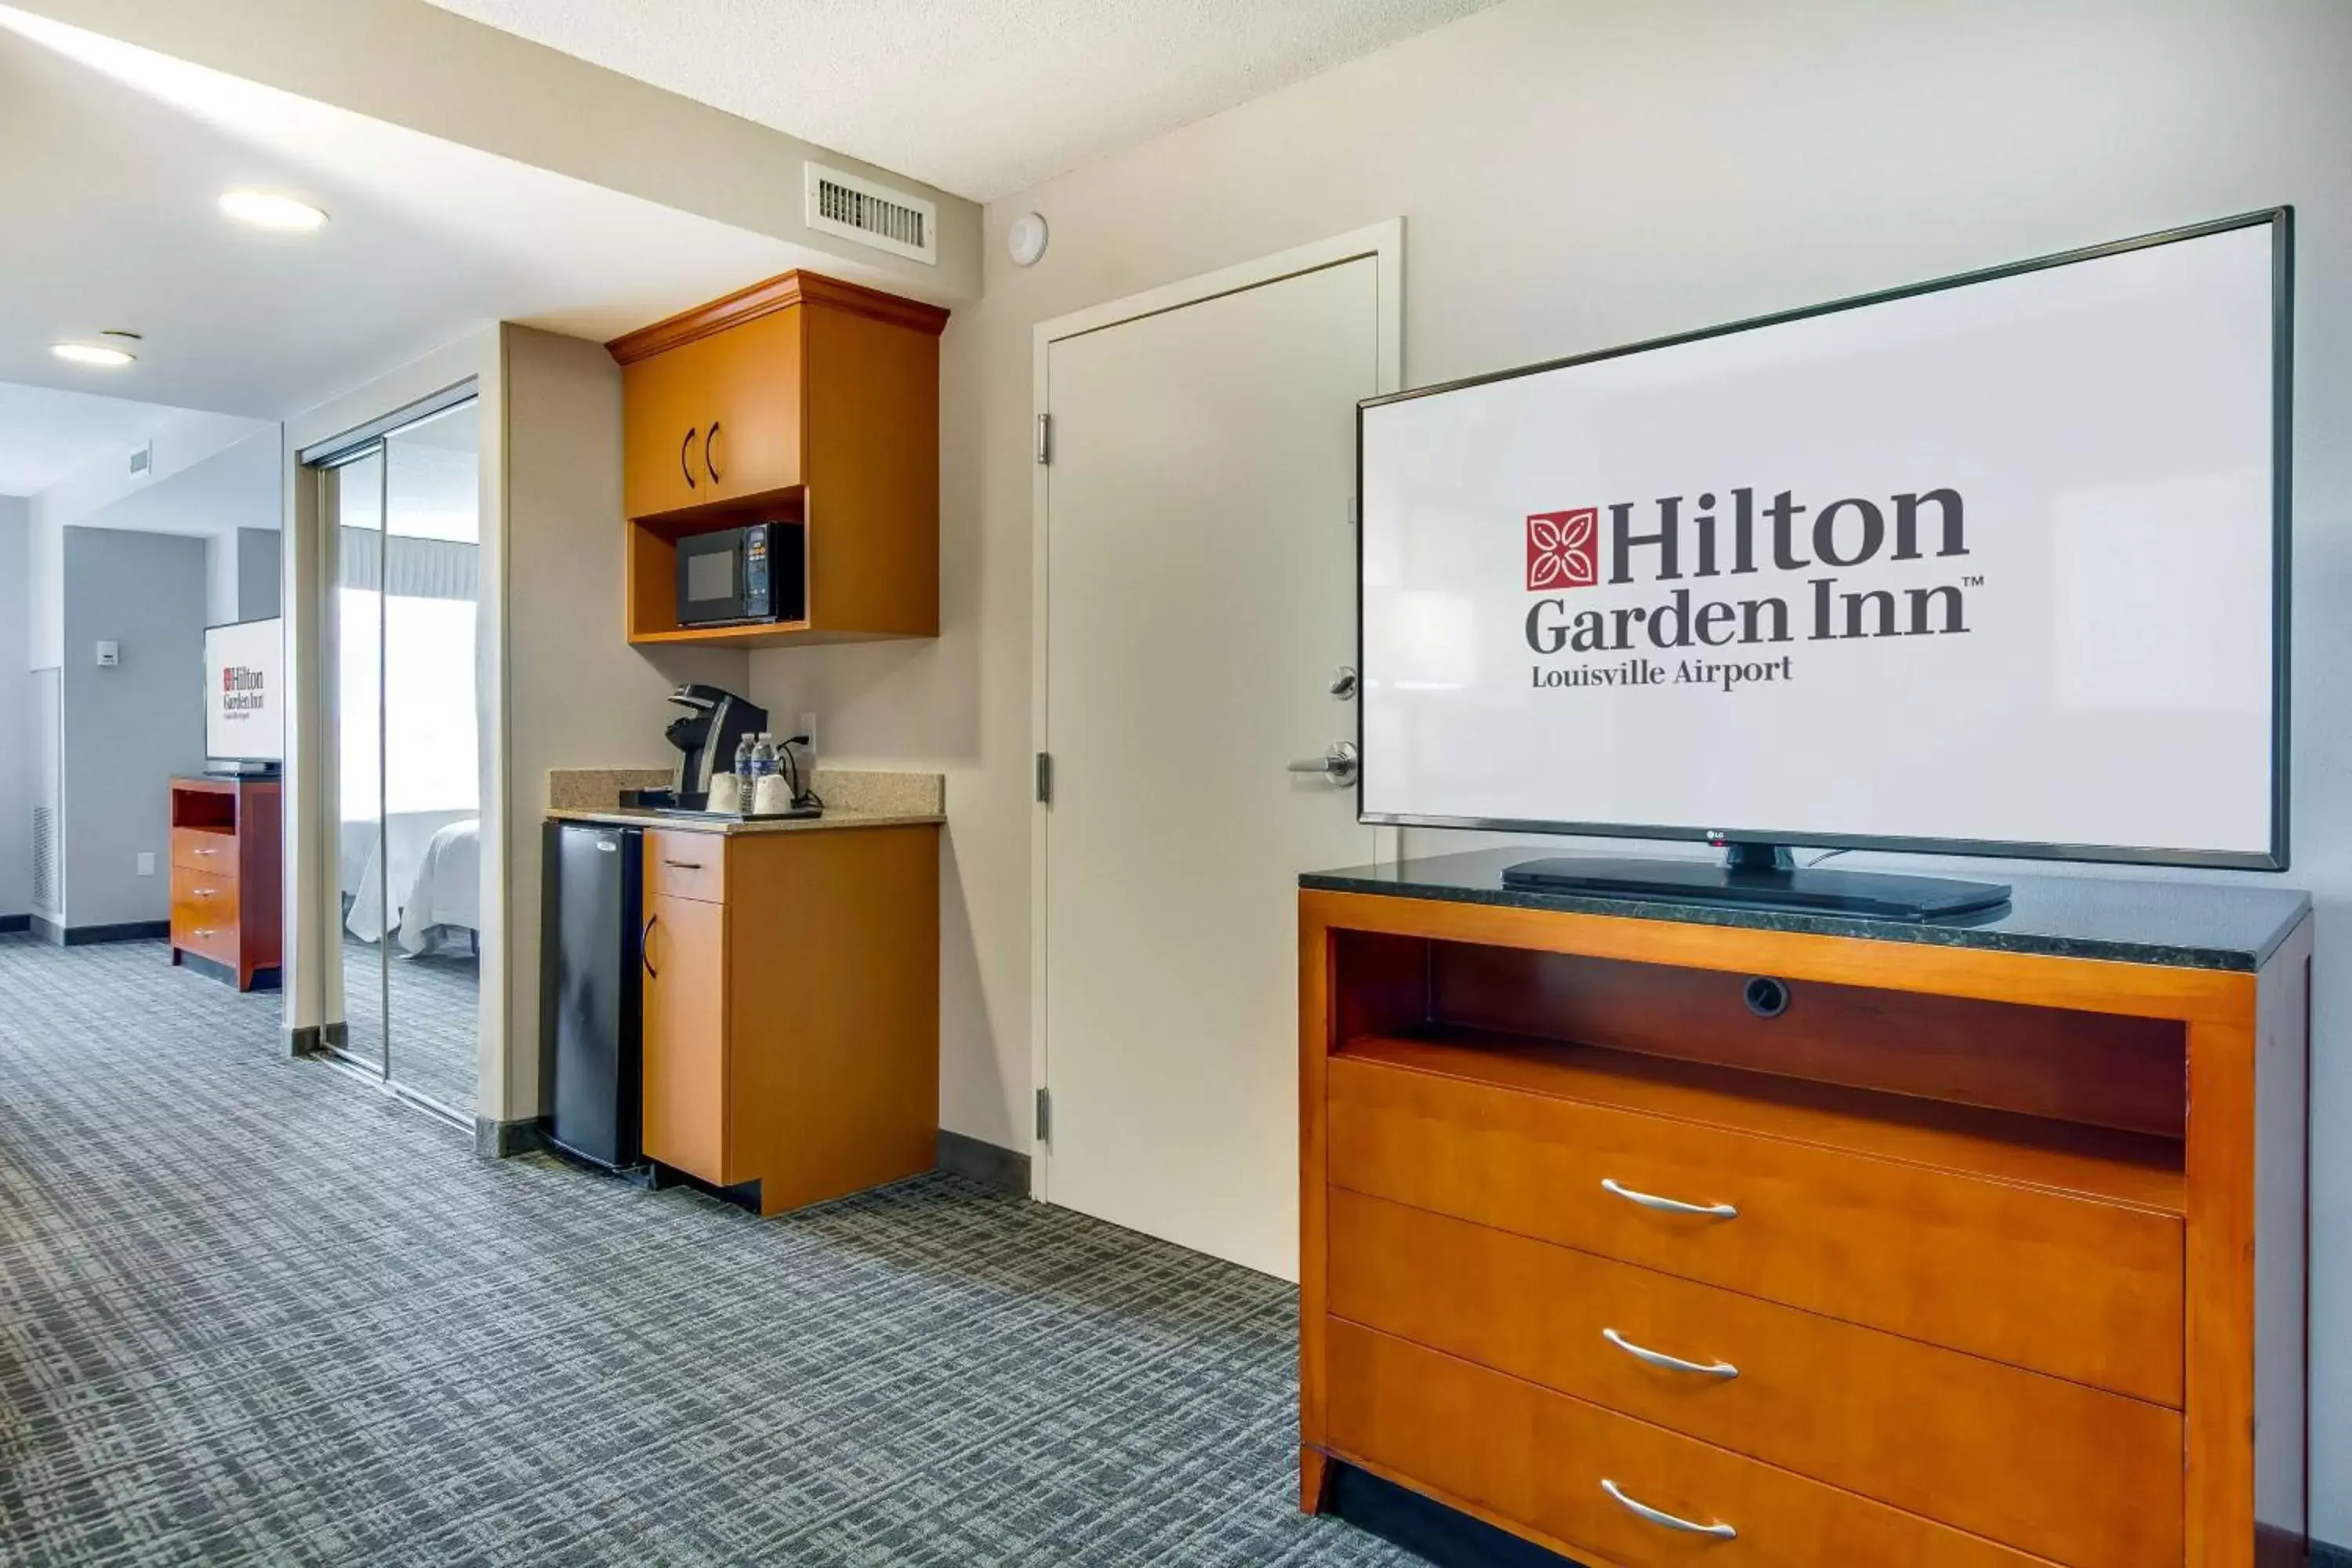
{"x":251,"y":1311}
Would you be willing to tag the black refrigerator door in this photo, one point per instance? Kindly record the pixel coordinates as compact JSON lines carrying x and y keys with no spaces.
{"x":590,"y":995}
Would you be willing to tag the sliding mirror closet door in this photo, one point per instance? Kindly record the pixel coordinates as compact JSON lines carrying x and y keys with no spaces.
{"x":432,"y":753}
{"x":355,"y":506}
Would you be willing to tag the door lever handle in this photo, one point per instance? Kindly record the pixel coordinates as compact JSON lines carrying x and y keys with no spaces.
{"x":1337,"y":765}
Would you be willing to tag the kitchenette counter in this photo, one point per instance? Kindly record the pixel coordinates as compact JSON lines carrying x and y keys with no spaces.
{"x":854,"y":798}
{"x":835,"y":817}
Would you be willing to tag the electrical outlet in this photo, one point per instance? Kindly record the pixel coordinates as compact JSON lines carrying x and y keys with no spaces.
{"x":147,"y":863}
{"x":808,"y":728}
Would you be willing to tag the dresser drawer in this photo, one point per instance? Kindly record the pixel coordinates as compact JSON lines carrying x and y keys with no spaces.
{"x":205,"y":915}
{"x":686,"y":865}
{"x":1539,"y":1459}
{"x":198,"y":850}
{"x":2074,"y":1287}
{"x":2071,"y":1473}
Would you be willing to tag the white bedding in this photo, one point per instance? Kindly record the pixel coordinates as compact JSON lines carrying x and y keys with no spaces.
{"x":436,"y":875}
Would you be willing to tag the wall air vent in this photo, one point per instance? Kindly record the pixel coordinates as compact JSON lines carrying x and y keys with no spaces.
{"x":873,"y":214}
{"x":45,"y":880}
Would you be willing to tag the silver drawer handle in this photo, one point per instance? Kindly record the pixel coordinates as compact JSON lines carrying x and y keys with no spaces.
{"x":1643,"y":1510}
{"x":1723,"y":1369}
{"x":1671,"y":1205}
{"x":202,"y":892}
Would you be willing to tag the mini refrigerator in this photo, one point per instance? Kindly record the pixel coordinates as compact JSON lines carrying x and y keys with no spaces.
{"x":590,"y":995}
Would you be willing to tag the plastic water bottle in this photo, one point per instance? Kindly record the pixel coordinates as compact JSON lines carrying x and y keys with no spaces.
{"x":735,"y":794}
{"x":765,"y":786}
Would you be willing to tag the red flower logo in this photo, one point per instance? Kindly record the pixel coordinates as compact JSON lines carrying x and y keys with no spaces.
{"x":1564,"y":548}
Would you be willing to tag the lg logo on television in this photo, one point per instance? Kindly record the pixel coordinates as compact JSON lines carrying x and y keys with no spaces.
{"x":1564,"y":548}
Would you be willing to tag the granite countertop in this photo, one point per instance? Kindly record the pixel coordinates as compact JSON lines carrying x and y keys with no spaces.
{"x":637,"y":817}
{"x":2182,"y":925}
{"x":854,"y":798}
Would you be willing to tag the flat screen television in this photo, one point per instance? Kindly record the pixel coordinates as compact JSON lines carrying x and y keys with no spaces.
{"x":1991,"y":565}
{"x":245,"y":721}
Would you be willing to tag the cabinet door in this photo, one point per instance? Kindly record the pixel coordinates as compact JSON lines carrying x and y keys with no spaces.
{"x":752,"y":379}
{"x":662,"y":420}
{"x":684,"y":962}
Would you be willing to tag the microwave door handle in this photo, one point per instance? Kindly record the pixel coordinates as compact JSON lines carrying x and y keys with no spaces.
{"x":685,"y":466}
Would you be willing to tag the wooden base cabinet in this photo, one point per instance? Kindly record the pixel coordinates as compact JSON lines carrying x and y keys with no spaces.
{"x":790,"y":1007}
{"x":1968,"y":1256}
{"x":227,"y":891}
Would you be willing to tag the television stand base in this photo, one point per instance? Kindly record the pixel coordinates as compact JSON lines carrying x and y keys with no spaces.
{"x":1758,"y":876}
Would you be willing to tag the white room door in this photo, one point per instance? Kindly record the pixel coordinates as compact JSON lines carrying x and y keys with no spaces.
{"x":1197,"y":607}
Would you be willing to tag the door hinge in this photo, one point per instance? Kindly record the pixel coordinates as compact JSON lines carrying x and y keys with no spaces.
{"x":1045,"y":1116}
{"x":1044,"y":438}
{"x":1045,"y":778}
{"x":1355,"y":516}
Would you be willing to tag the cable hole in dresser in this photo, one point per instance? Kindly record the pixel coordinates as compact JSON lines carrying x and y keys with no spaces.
{"x":1766,"y":997}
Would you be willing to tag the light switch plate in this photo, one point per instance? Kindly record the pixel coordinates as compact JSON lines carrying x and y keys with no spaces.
{"x":147,"y":863}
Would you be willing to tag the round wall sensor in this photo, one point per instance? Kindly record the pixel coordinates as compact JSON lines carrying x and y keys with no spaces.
{"x":1025,"y":240}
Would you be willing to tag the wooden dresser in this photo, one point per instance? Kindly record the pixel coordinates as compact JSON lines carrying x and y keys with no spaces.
{"x":1662,"y":1236}
{"x":226,"y":886}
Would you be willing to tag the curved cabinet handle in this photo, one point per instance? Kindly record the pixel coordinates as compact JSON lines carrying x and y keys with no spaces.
{"x":1663,"y":1518}
{"x":684,"y":465}
{"x":1722,"y":1369}
{"x":644,"y":945}
{"x":1669,"y":1205}
{"x":710,"y":451}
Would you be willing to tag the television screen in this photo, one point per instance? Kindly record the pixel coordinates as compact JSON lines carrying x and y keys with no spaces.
{"x":1992,"y":565}
{"x":243,"y":712}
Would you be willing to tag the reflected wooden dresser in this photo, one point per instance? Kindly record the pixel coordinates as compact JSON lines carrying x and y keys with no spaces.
{"x":1659,"y":1237}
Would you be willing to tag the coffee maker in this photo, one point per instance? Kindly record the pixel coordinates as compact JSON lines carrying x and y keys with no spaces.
{"x":715,"y":723}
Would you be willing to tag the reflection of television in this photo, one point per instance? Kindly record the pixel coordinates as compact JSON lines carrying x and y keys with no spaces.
{"x":1991,"y":565}
{"x":245,"y":718}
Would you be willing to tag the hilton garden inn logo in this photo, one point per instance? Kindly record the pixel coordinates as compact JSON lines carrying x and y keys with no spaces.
{"x":1574,"y":550}
{"x":1564,"y":548}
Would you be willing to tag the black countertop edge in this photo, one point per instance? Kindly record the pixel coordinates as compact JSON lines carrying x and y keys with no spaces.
{"x":2168,"y":924}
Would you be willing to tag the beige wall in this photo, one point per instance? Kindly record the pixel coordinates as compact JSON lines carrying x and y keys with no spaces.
{"x":577,"y":695}
{"x":1578,"y":174}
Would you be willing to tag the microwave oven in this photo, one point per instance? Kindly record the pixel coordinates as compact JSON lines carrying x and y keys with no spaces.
{"x":743,"y":576}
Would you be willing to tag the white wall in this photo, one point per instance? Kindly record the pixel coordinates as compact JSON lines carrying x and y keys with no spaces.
{"x":16,"y":708}
{"x":1579,"y":174}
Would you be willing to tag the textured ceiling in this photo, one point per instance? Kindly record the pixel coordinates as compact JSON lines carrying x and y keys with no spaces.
{"x":977,"y":97}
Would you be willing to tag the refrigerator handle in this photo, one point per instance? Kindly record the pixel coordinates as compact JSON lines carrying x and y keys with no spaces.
{"x":644,"y":951}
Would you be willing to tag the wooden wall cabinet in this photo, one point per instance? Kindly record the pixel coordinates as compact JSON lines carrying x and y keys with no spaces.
{"x":1970,"y":1257}
{"x":226,"y":886}
{"x":790,"y":1007}
{"x":802,"y":399}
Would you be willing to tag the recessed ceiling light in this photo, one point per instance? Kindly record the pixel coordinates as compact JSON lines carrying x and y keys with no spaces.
{"x":92,"y":354}
{"x":263,"y":210}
